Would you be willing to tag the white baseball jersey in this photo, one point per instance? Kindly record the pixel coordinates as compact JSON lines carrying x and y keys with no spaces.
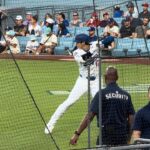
{"x":81,"y":85}
{"x":83,"y":71}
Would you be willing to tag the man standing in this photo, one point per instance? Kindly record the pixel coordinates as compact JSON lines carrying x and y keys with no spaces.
{"x":83,"y":52}
{"x":141,"y":126}
{"x":117,"y":112}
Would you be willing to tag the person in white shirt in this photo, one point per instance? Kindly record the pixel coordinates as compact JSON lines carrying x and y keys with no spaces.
{"x":34,"y":28}
{"x":82,"y":54}
{"x":132,"y":11}
{"x":11,"y":43}
{"x":32,"y":45}
{"x":48,"y":42}
{"x":111,"y":29}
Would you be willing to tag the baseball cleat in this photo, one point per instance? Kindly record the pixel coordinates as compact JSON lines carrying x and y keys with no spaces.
{"x":49,"y":129}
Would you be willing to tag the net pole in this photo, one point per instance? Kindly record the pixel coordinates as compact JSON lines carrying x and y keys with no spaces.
{"x":100,"y":93}
{"x":89,"y":130}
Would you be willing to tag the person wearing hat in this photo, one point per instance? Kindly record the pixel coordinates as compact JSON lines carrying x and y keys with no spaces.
{"x":132,"y":11}
{"x":48,"y":42}
{"x":76,"y":22}
{"x":82,"y":54}
{"x":92,"y":35}
{"x":11,"y":43}
{"x":117,"y":12}
{"x":49,"y":23}
{"x":145,"y":13}
{"x":127,"y":30}
{"x":93,"y":21}
{"x":106,"y":18}
{"x":111,"y":29}
{"x":32,"y":45}
{"x":19,"y":27}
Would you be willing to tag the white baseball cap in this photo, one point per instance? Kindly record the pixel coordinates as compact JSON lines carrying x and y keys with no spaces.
{"x":49,"y":20}
{"x":19,"y":17}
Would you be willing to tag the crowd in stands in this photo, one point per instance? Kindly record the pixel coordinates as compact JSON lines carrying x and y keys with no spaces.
{"x":50,"y":29}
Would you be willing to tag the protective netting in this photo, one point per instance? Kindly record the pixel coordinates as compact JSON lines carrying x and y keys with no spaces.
{"x":31,"y":90}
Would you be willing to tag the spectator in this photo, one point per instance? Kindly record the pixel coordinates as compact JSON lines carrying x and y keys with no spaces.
{"x":92,"y":35}
{"x":76,"y":22}
{"x":126,"y":29}
{"x":132,"y":11}
{"x":19,"y":28}
{"x":47,"y":16}
{"x":141,"y":31}
{"x":62,"y":19}
{"x":141,"y":125}
{"x":108,"y":43}
{"x":49,"y":23}
{"x":32,"y":45}
{"x":48,"y":42}
{"x":106,"y":19}
{"x":11,"y":42}
{"x":93,"y":21}
{"x":62,"y":31}
{"x":34,"y":28}
{"x":117,"y":112}
{"x":111,"y":29}
{"x":145,"y":13}
{"x":28,"y":19}
{"x":117,"y":12}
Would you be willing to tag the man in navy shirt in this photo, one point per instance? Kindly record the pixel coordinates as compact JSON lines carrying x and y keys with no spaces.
{"x":92,"y":35}
{"x":141,"y":126}
{"x":117,"y":112}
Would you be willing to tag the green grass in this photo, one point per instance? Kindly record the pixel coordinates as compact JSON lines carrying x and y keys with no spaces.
{"x":20,"y":124}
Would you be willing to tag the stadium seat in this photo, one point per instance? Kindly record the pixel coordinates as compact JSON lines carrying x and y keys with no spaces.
{"x":124,"y":43}
{"x":59,"y":50}
{"x":72,"y":30}
{"x":66,"y":41}
{"x":118,"y":20}
{"x":80,"y":30}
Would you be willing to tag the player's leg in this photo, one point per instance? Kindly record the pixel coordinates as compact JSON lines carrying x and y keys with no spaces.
{"x":78,"y":90}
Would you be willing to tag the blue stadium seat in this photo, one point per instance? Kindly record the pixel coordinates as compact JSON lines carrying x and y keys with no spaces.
{"x":117,"y":52}
{"x":124,"y":43}
{"x":80,"y":30}
{"x":59,"y":50}
{"x":66,"y":41}
{"x":72,"y":30}
{"x":118,"y":20}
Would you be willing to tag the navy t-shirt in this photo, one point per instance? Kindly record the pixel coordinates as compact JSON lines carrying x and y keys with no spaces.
{"x":116,"y":107}
{"x":94,"y":38}
{"x":142,"y":121}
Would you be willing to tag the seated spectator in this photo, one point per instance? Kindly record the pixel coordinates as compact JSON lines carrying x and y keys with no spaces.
{"x":145,"y":13}
{"x":108,"y":43}
{"x":62,"y":31}
{"x":92,"y":35}
{"x":93,"y":21}
{"x":34,"y":28}
{"x":111,"y":29}
{"x":132,"y":11}
{"x":106,"y":19}
{"x":48,"y":43}
{"x":28,"y":19}
{"x":126,"y":29}
{"x":11,"y":42}
{"x":76,"y":22}
{"x":49,"y":23}
{"x":32,"y":45}
{"x":47,"y":16}
{"x":140,"y":31}
{"x":19,"y":28}
{"x":117,"y":12}
{"x":62,"y":19}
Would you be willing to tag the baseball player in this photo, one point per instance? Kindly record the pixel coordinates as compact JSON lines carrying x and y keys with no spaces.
{"x":82,"y":54}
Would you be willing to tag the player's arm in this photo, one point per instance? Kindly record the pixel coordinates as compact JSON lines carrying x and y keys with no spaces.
{"x":84,"y":123}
